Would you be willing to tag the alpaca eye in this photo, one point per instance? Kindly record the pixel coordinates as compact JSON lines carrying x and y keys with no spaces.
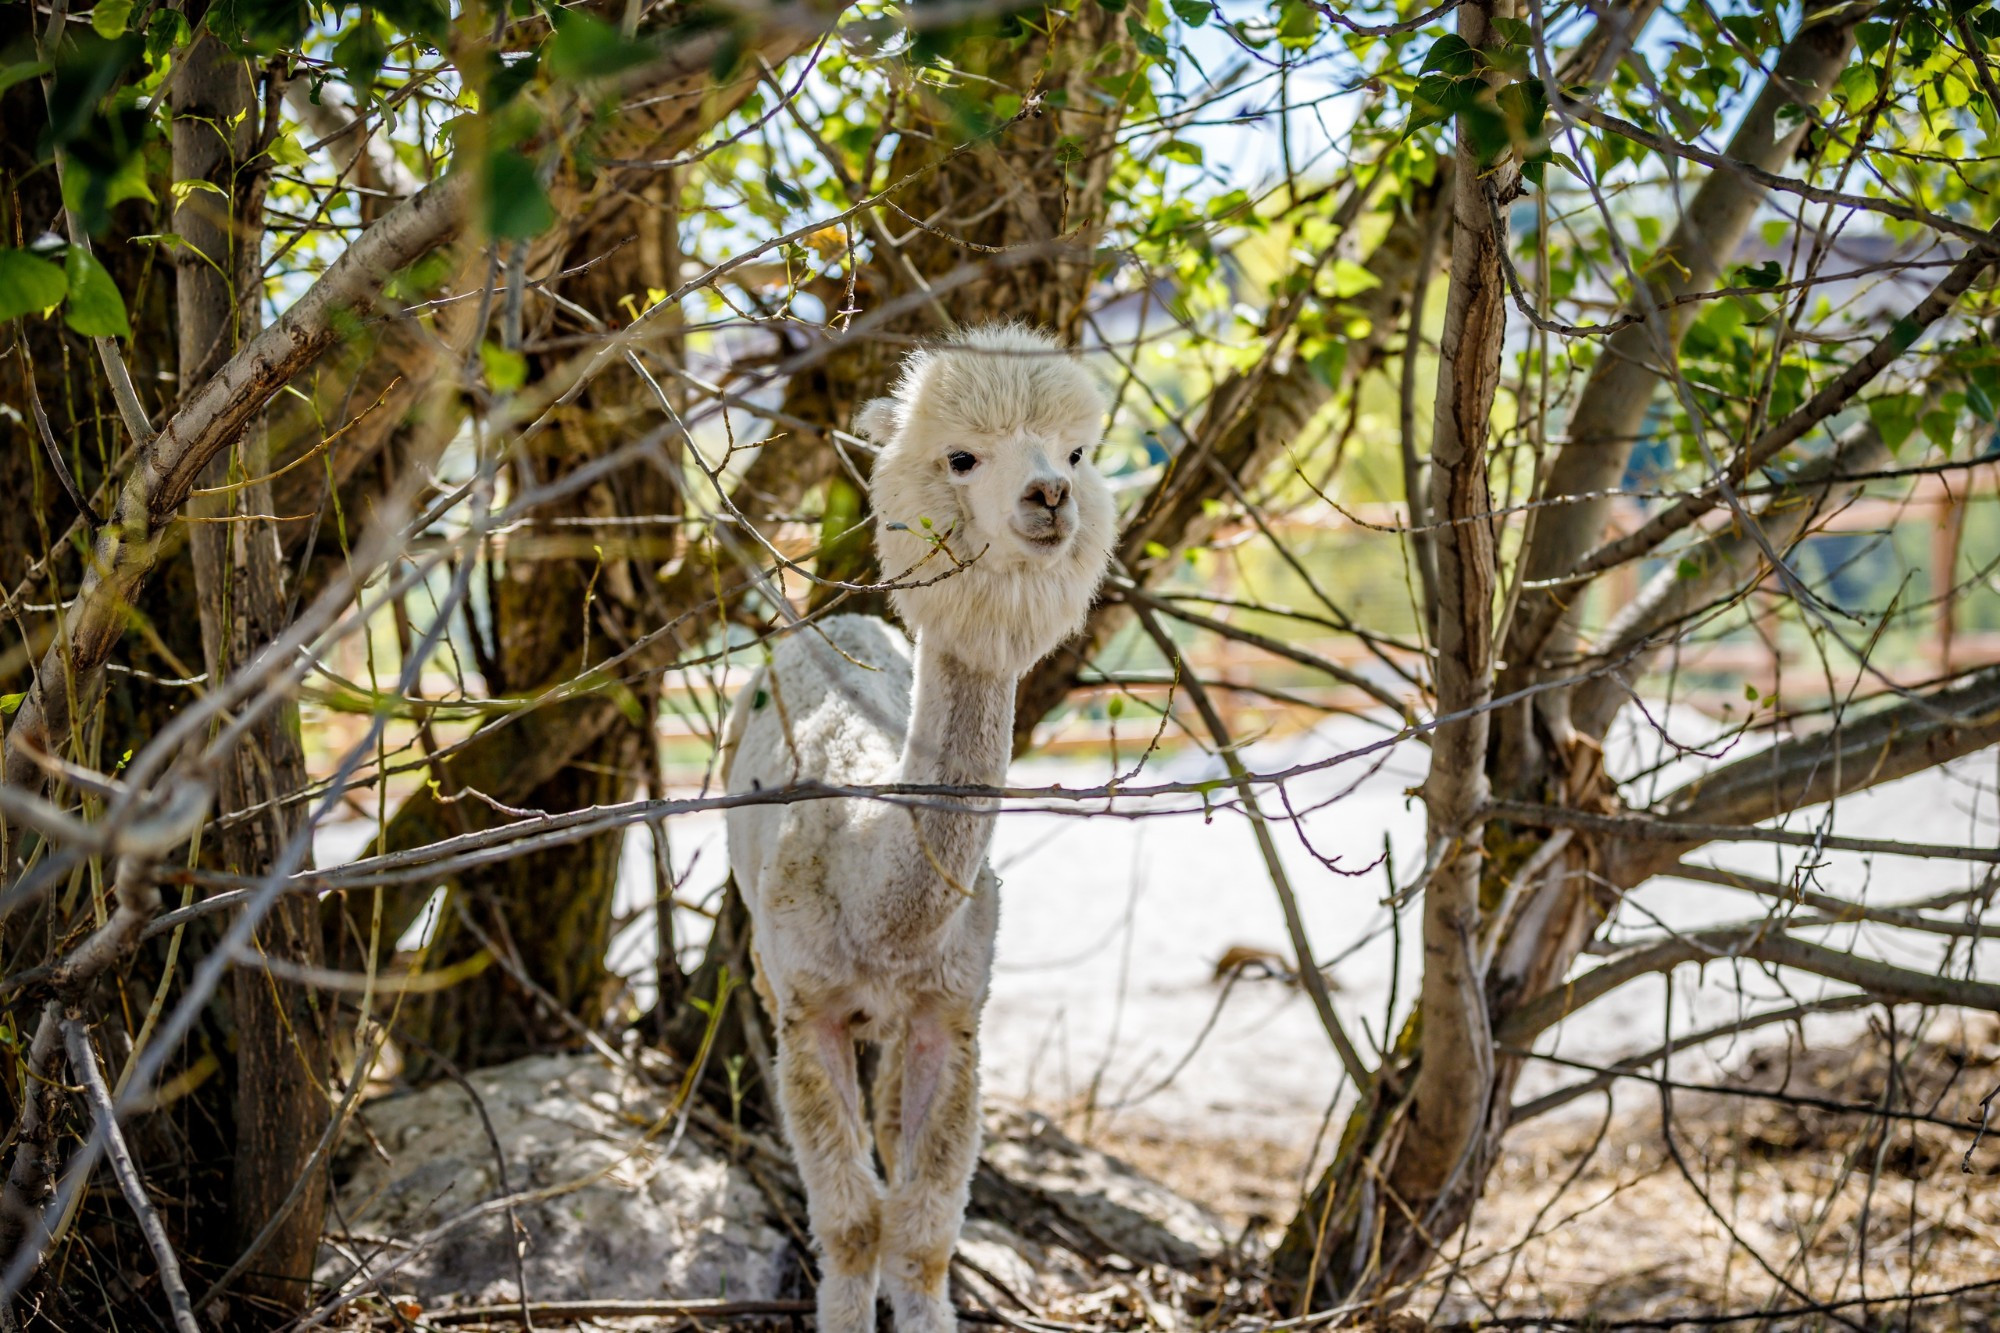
{"x":1075,"y":457}
{"x":962,"y":462}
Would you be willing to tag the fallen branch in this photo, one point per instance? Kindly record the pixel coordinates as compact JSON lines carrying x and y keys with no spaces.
{"x":84,"y":1061}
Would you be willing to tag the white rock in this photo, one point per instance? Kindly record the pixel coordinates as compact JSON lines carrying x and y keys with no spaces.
{"x":625,"y":1212}
{"x":620,"y":1210}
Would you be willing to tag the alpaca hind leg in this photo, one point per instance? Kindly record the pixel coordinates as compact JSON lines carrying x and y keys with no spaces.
{"x":939,"y":1148}
{"x":886,"y":1097}
{"x":819,"y":1095}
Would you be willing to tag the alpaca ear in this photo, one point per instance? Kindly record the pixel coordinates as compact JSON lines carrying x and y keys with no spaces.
{"x":878,"y":419}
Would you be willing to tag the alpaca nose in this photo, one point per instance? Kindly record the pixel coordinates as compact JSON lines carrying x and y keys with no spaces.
{"x":1049,"y":492}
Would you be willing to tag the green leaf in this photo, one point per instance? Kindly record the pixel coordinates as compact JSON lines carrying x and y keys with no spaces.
{"x":1977,"y":400}
{"x":517,"y":207}
{"x":1451,"y":54}
{"x":425,"y":18}
{"x":507,"y":77}
{"x":90,"y":67}
{"x":1148,"y":41}
{"x":1439,"y":97}
{"x":1895,"y":416}
{"x":1351,"y":279}
{"x":1194,"y":13}
{"x":506,"y":370}
{"x":1765,"y":275}
{"x":10,"y":704}
{"x":265,"y":26}
{"x":286,"y":151}
{"x":1940,"y":428}
{"x":1180,"y":150}
{"x":28,"y":284}
{"x":180,"y":190}
{"x":109,"y":18}
{"x":94,"y":189}
{"x":1328,"y":362}
{"x":784,"y":191}
{"x":361,"y":54}
{"x":1856,"y":85}
{"x":95,"y":308}
{"x":589,"y":48}
{"x":166,"y":32}
{"x":1486,"y":130}
{"x":1298,"y":23}
{"x":25,"y":69}
{"x":1524,"y":107}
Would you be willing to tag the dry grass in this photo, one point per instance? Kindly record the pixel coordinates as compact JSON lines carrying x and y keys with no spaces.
{"x":1709,"y":1202}
{"x":1781,"y":1189}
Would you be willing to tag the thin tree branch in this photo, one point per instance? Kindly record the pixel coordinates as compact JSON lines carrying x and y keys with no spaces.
{"x":1682,"y":836}
{"x":1630,"y":1067}
{"x":84,"y":1061}
{"x":1760,"y":944}
{"x":1310,"y":976}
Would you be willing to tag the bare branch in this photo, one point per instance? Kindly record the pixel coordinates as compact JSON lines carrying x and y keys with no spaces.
{"x":84,"y":1061}
{"x":1632,"y":1066}
{"x":1605,"y":423}
{"x":1682,"y":836}
{"x":1310,"y":977}
{"x":1762,"y":944}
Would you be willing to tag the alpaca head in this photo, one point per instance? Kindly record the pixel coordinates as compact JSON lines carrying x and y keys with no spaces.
{"x":985,"y":464}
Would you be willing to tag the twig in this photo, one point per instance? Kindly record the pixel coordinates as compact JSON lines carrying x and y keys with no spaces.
{"x":84,"y":1061}
{"x":1309,"y":974}
{"x":1985,"y":1122}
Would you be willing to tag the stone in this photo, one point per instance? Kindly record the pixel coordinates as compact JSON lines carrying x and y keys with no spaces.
{"x":621,"y":1206}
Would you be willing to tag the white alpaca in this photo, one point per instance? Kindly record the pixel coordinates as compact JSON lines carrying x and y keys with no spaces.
{"x":873,"y":921}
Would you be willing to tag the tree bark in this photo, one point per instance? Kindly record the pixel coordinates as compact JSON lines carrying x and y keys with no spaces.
{"x":1440,"y":1161}
{"x":281,"y":1051}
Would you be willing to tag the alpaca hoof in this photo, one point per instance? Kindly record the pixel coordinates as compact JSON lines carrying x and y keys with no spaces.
{"x":846,"y":1303}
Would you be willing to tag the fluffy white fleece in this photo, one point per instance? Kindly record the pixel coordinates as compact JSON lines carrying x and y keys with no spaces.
{"x":987,"y":386}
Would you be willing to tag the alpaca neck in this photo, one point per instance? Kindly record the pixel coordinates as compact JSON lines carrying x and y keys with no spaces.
{"x":961,"y":735}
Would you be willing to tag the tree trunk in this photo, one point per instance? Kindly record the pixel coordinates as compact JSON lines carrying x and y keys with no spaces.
{"x":1536,"y":751}
{"x":1606,"y":425}
{"x":1440,"y":1159}
{"x":281,"y":1055}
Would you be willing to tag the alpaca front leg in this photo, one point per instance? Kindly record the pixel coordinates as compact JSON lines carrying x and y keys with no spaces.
{"x":937,"y":1148}
{"x":819,"y":1096}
